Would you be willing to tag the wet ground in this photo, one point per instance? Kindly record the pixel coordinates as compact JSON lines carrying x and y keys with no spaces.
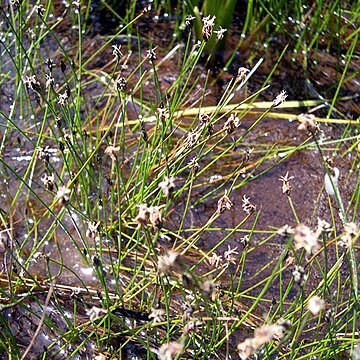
{"x":60,"y":255}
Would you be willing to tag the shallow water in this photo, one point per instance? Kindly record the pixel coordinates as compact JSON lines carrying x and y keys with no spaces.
{"x":60,"y":253}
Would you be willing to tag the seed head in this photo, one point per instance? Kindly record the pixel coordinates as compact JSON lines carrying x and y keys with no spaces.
{"x":286,"y":187}
{"x":117,"y":52}
{"x":194,"y":165}
{"x":242,"y":73}
{"x":142,"y":217}
{"x":32,"y":83}
{"x":231,"y":124}
{"x":305,"y":238}
{"x":111,"y":150}
{"x":94,"y":313}
{"x":163,"y":113}
{"x":350,"y":232}
{"x":157,"y":315}
{"x":120,"y":84}
{"x":48,"y":181}
{"x":220,"y":33}
{"x":63,"y":195}
{"x":307,"y":123}
{"x":50,"y":64}
{"x":280,"y":98}
{"x":49,"y":81}
{"x":40,"y":10}
{"x":169,"y":263}
{"x":167,"y":185}
{"x":43,"y":153}
{"x":224,"y":203}
{"x":247,"y":206}
{"x":315,"y":305}
{"x":262,"y":336}
{"x":63,"y":99}
{"x":208,"y":25}
{"x":299,"y":275}
{"x":229,"y":255}
{"x":155,"y":216}
{"x":189,"y":21}
{"x":92,"y":229}
{"x":214,"y":260}
{"x":210,"y":289}
{"x":169,"y":350}
{"x":151,"y":55}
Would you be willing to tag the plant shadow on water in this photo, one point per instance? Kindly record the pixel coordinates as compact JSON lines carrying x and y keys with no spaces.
{"x":90,"y":252}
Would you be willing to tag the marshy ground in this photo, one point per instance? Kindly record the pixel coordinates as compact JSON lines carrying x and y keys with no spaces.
{"x":162,"y":201}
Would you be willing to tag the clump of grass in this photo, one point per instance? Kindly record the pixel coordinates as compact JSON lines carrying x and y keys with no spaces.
{"x":129,"y":221}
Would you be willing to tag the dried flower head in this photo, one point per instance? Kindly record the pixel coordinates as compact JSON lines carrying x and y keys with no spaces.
{"x":111,"y":150}
{"x":40,"y":10}
{"x":244,"y":241}
{"x":169,"y":350}
{"x":50,"y":64}
{"x":43,"y":153}
{"x":315,"y":305}
{"x":155,"y":216}
{"x":280,"y":98}
{"x":157,"y":315}
{"x":351,"y":230}
{"x":208,"y":25}
{"x":214,"y":260}
{"x":120,"y":84}
{"x":48,"y":181}
{"x":63,"y":195}
{"x":305,"y":238}
{"x":229,"y":255}
{"x":189,"y":21}
{"x":231,"y":124}
{"x":117,"y":52}
{"x":63,"y":99}
{"x":163,"y":113}
{"x":299,"y":275}
{"x":167,"y":185}
{"x":224,"y":203}
{"x":286,"y":187}
{"x":307,"y":123}
{"x":76,"y":6}
{"x":32,"y":83}
{"x":50,"y":81}
{"x":169,"y":263}
{"x":192,"y":139}
{"x":262,"y":336}
{"x":142,"y":217}
{"x":247,"y":207}
{"x":246,"y":348}
{"x":151,"y":55}
{"x":92,"y":229}
{"x":94,"y":313}
{"x":220,"y":33}
{"x":210,"y":289}
{"x":204,"y":119}
{"x":242,"y":73}
{"x":286,"y":231}
{"x":15,"y":3}
{"x":194,"y":165}
{"x":323,"y":227}
{"x":267,"y":333}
